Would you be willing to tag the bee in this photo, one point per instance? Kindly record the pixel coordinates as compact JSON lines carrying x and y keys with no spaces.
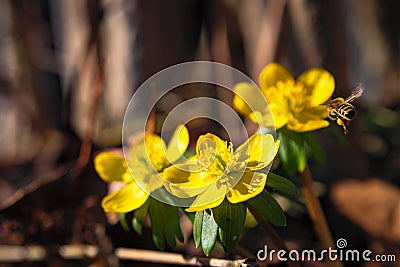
{"x":341,"y":111}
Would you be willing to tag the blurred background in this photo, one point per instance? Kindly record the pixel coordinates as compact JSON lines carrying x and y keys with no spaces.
{"x":68,"y":69}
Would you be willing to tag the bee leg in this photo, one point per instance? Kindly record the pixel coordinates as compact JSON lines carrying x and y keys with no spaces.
{"x":344,"y":129}
{"x":344,"y":124}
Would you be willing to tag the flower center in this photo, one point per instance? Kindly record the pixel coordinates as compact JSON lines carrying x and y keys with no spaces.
{"x":295,"y":94}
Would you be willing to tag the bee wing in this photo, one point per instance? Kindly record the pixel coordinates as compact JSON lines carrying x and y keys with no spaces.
{"x":356,"y":92}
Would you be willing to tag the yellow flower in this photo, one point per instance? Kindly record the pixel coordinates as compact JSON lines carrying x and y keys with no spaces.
{"x":216,"y":171}
{"x":299,"y":105}
{"x":145,"y":159}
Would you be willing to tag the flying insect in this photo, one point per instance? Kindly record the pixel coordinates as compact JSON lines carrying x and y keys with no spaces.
{"x":341,"y":110}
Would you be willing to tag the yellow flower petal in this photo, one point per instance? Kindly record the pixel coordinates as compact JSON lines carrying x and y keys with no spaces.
{"x":264,"y":119}
{"x":319,"y":83}
{"x":210,"y":140}
{"x":178,"y":144}
{"x":181,"y":173}
{"x":111,"y":167}
{"x":147,"y":155}
{"x":278,"y":102}
{"x":273,"y":73}
{"x":320,"y":112}
{"x":182,"y":182}
{"x":258,"y":151}
{"x":280,"y":114}
{"x":213,"y":154}
{"x":310,"y":119}
{"x":306,"y":126}
{"x":211,"y":198}
{"x":248,"y":98}
{"x":251,"y":184}
{"x":155,"y":151}
{"x":128,"y":198}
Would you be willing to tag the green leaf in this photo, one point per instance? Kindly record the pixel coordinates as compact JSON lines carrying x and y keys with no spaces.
{"x":165,"y":224}
{"x":189,"y":153}
{"x":292,"y":151}
{"x":317,"y":152}
{"x":230,"y":219}
{"x":197,"y":225}
{"x":269,"y":208}
{"x":139,"y":216}
{"x":123,"y":221}
{"x":301,"y":158}
{"x":281,"y":184}
{"x":158,"y":237}
{"x":288,"y":151}
{"x":209,"y":232}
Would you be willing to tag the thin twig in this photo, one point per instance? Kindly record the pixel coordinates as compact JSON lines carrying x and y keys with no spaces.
{"x":317,"y":214}
{"x":87,"y":139}
{"x":151,"y":125}
{"x":275,"y":238}
{"x":83,"y":251}
{"x":173,"y":258}
{"x":38,"y":182}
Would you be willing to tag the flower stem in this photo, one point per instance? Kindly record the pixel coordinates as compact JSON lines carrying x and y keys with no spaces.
{"x":317,"y":214}
{"x":273,"y":235}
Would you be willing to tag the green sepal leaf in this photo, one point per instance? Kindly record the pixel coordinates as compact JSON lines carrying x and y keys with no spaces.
{"x":288,"y":150}
{"x":158,"y":238}
{"x":281,"y":184}
{"x":123,"y":221}
{"x":197,"y":225}
{"x":165,"y":224}
{"x":269,"y":208}
{"x":301,"y":157}
{"x":209,"y":232}
{"x":139,"y":216}
{"x":292,"y":151}
{"x":230,"y":219}
{"x":315,"y":148}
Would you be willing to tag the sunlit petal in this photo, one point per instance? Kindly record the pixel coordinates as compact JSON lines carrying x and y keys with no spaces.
{"x":178,"y":144}
{"x":319,"y":83}
{"x":248,"y":98}
{"x":273,"y":73}
{"x":211,"y":198}
{"x":147,"y":153}
{"x":210,"y":140}
{"x":155,"y":151}
{"x":251,"y":184}
{"x":128,"y":198}
{"x":264,"y":119}
{"x":307,"y":126}
{"x":213,"y":153}
{"x":310,"y":119}
{"x":280,"y":114}
{"x":259,"y":151}
{"x":181,"y":173}
{"x":185,"y":184}
{"x":111,"y":167}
